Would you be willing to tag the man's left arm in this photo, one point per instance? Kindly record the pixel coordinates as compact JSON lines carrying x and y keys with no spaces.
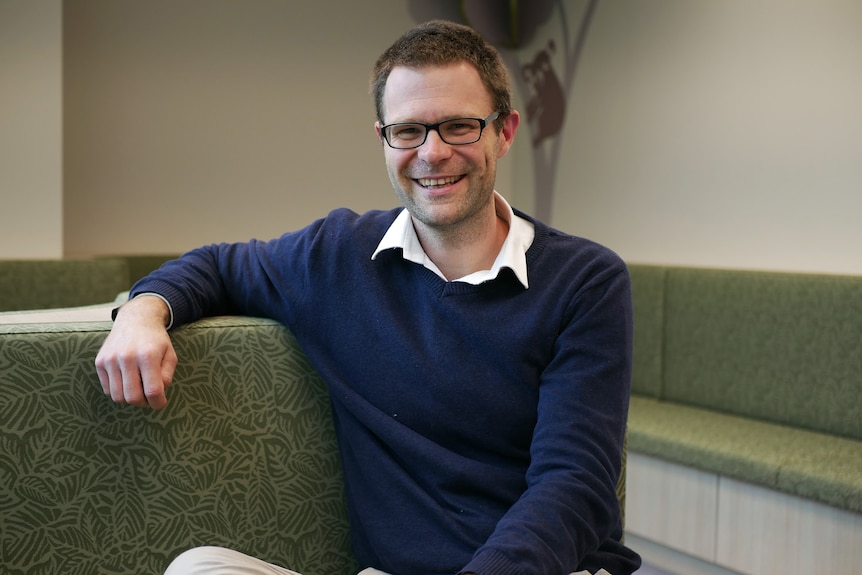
{"x":570,"y":508}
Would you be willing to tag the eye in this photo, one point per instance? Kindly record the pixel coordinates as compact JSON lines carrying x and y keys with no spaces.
{"x":460,"y":127}
{"x":406,"y":131}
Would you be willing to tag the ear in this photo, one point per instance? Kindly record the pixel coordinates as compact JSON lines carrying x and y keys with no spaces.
{"x":378,"y":131}
{"x":507,"y":134}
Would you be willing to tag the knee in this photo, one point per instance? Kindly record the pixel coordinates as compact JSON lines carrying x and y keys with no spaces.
{"x":197,"y":561}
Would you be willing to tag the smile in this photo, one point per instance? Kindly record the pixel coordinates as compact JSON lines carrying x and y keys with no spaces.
{"x":438,"y":182}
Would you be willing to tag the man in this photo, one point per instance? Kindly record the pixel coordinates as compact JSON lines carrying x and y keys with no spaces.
{"x":478,"y":361}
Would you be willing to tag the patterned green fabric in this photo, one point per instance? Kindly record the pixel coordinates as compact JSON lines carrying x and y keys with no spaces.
{"x":243,"y":456}
{"x":36,"y":284}
{"x":648,"y":302}
{"x":783,"y":348}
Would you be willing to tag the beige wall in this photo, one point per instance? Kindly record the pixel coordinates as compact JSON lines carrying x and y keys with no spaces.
{"x":719,"y":133}
{"x":31,"y":201}
{"x":218,"y":120}
{"x":704,"y":133}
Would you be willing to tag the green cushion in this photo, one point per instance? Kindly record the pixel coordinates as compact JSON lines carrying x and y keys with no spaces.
{"x":243,"y":456}
{"x":817,"y":466}
{"x":783,"y":348}
{"x":36,"y":284}
{"x":648,"y":302}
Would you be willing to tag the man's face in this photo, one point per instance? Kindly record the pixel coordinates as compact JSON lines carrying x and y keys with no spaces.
{"x":443,"y":185}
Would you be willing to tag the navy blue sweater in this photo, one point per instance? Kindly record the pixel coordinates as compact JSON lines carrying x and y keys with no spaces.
{"x":480,"y":427}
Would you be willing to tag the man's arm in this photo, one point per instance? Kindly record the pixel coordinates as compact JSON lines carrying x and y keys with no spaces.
{"x":568,"y":518}
{"x":137,"y":361}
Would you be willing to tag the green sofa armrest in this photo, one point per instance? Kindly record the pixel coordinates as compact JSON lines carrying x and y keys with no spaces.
{"x":243,"y":456}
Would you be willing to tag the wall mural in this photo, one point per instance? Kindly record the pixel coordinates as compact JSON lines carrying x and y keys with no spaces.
{"x":541,"y":47}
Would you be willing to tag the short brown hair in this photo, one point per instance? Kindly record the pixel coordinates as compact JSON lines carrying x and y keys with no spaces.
{"x":438,"y":43}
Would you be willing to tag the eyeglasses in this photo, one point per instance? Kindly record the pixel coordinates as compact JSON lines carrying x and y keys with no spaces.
{"x":457,"y":131}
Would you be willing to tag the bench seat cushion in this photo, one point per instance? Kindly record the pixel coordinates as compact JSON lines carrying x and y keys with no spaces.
{"x":809,"y":464}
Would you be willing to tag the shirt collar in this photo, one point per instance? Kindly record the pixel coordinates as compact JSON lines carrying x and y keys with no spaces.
{"x":513,"y":253}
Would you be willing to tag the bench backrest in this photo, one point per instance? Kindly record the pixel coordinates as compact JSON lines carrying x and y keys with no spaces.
{"x":781,"y":347}
{"x":37,"y":284}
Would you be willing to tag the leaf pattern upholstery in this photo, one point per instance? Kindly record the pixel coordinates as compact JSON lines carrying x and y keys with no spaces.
{"x":243,"y":456}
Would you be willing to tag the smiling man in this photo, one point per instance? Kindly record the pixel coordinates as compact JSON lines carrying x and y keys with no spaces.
{"x":478,"y":361}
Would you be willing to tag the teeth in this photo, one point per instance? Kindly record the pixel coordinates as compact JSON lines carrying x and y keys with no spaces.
{"x":429,"y":182}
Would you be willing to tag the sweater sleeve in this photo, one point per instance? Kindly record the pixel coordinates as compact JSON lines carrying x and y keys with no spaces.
{"x":193,"y":285}
{"x":255,"y":278}
{"x":569,"y":517}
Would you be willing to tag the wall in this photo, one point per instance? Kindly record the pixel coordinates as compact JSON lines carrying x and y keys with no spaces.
{"x":215,"y":120}
{"x":31,"y":201}
{"x":724,"y":133}
{"x":708,"y":133}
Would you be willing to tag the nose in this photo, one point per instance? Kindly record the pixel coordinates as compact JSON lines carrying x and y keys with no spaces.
{"x":434,"y":148}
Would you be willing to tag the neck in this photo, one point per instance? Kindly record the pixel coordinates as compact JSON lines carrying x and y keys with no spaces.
{"x":461,"y":250}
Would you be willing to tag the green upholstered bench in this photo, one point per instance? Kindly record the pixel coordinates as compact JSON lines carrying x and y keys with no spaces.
{"x":243,"y":456}
{"x":756,"y":376}
{"x":36,"y":284}
{"x":62,"y":283}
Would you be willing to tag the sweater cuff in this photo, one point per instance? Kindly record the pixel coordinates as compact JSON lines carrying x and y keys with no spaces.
{"x":490,"y":562}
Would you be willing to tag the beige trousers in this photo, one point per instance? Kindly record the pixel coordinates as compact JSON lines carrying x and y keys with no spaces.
{"x":222,"y":561}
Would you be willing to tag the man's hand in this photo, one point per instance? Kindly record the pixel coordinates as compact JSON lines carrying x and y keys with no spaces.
{"x":137,"y":361}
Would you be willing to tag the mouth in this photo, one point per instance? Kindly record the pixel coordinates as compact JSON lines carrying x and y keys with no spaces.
{"x":436,"y":183}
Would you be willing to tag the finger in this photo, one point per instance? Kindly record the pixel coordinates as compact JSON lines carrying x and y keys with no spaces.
{"x":153,"y":380}
{"x":104,"y":378}
{"x":155,"y":397}
{"x":132,"y":387}
{"x":111,"y":378}
{"x":153,"y":390}
{"x":169,"y":365}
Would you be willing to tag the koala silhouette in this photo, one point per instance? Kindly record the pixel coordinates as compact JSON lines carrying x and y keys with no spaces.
{"x":546,"y":105}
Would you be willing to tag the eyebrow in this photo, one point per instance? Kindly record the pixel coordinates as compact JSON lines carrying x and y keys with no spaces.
{"x":477,"y":116}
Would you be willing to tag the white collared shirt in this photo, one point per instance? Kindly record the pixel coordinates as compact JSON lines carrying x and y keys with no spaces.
{"x":513,"y":253}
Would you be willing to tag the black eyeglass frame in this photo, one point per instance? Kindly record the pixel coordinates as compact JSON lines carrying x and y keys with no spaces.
{"x":483,"y":123}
